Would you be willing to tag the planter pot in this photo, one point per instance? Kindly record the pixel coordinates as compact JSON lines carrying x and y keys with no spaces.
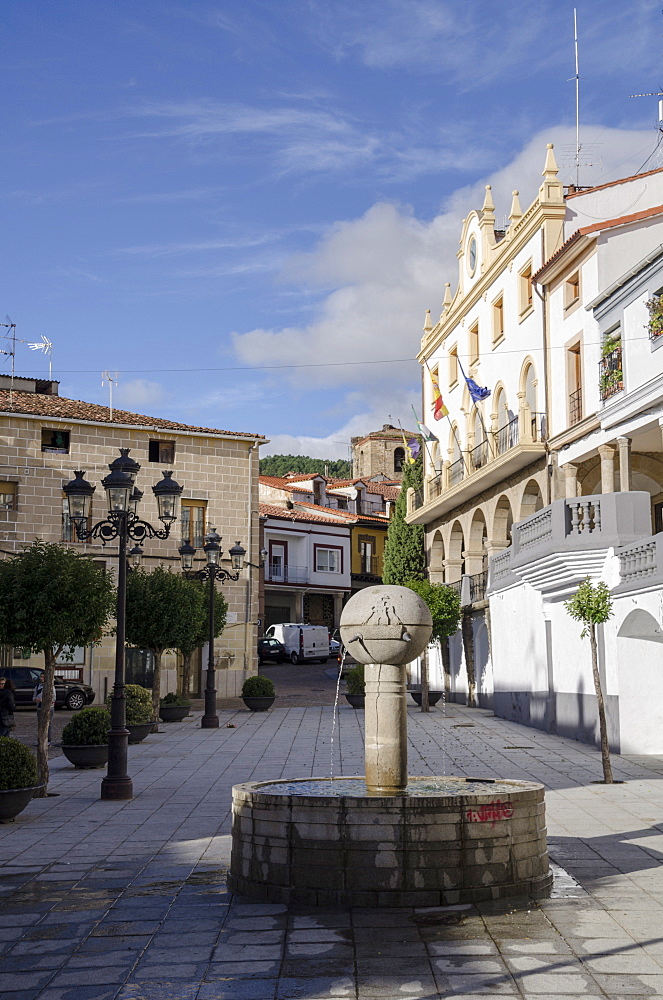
{"x":356,"y":700}
{"x":433,"y":697}
{"x":14,"y":800}
{"x":259,"y":704}
{"x":173,"y":713}
{"x":139,"y":730}
{"x":86,"y":756}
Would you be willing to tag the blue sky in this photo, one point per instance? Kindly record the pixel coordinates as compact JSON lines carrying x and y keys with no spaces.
{"x":191,"y":188}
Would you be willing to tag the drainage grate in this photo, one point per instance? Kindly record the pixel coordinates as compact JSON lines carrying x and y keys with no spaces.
{"x":518,"y":748}
{"x":463,"y":725}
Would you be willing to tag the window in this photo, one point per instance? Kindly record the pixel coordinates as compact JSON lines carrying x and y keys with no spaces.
{"x":473,"y":343}
{"x":161,"y":451}
{"x":399,"y":459}
{"x":453,"y":366}
{"x":498,"y":319}
{"x":7,"y":496}
{"x":525,"y":294}
{"x":56,"y":441}
{"x":572,"y":290}
{"x":574,"y":381}
{"x":193,"y":521}
{"x":342,"y":503}
{"x":367,"y":548}
{"x":328,"y":560}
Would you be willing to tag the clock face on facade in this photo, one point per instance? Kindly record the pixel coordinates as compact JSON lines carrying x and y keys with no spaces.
{"x":472,"y":255}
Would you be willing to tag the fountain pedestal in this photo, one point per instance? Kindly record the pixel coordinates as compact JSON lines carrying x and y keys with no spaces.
{"x":388,"y":840}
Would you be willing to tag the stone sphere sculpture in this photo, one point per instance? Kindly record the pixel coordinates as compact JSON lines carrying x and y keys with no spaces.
{"x":386,"y":625}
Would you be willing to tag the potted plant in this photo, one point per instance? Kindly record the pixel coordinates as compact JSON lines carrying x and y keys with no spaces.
{"x":354,"y":680}
{"x":433,"y":697}
{"x":173,"y":708}
{"x":258,"y":693}
{"x":85,"y":738}
{"x":655,"y":310}
{"x":139,"y":712}
{"x":18,"y":778}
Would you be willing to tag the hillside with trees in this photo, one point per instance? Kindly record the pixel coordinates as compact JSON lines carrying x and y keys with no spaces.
{"x":280,"y":465}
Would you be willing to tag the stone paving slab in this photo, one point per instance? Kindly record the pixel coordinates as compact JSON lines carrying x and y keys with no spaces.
{"x":127,"y":901}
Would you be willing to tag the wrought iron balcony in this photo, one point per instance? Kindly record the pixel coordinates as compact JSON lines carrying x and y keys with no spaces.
{"x":611,"y":374}
{"x":278,"y":573}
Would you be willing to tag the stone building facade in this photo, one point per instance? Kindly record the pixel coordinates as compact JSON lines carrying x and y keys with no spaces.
{"x":380,"y":452}
{"x":44,"y":438}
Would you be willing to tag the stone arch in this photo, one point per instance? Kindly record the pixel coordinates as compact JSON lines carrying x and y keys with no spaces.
{"x":476,"y":552}
{"x":455,"y":561}
{"x":480,"y":445}
{"x":399,"y":459}
{"x":531,"y":500}
{"x":455,"y":446}
{"x":436,"y":559}
{"x":640,"y":624}
{"x":502,"y":524}
{"x":529,"y":384}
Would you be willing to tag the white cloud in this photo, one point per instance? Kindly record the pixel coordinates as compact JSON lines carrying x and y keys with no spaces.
{"x":138,"y":393}
{"x":378,"y":273}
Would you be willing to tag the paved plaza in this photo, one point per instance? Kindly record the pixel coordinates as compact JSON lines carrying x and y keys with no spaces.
{"x":127,"y":901}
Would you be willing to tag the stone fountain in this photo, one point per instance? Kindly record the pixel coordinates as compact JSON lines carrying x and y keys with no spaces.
{"x":386,"y":839}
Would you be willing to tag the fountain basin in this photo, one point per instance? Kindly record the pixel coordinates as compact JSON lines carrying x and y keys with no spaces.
{"x":326,"y":842}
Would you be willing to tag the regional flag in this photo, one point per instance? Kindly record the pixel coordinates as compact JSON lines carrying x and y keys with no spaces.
{"x":426,"y":432}
{"x":439,"y":409}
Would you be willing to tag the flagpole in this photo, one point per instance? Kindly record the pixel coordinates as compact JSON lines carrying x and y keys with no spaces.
{"x":453,"y":429}
{"x":424,"y":438}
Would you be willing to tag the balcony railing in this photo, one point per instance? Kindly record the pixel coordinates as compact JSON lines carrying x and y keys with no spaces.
{"x":611,"y":374}
{"x":278,"y":573}
{"x":479,"y":455}
{"x":478,"y":584}
{"x":575,"y":406}
{"x":569,"y":531}
{"x":528,"y":428}
{"x":369,"y":566}
{"x":507,"y":436}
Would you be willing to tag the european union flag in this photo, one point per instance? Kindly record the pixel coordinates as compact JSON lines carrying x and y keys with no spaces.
{"x":476,"y":392}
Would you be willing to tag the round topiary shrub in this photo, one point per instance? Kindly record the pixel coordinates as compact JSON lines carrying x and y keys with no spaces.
{"x":18,"y":767}
{"x":139,"y":704}
{"x":175,"y":700}
{"x":88,"y":728}
{"x":355,"y":680}
{"x":258,"y":687}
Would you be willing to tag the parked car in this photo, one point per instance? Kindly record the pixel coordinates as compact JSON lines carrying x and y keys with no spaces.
{"x":271,"y":649}
{"x":302,"y":642}
{"x":68,"y":694}
{"x":334,"y":647}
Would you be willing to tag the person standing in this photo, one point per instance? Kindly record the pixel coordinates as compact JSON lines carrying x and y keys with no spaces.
{"x":37,"y":696}
{"x":7,"y":706}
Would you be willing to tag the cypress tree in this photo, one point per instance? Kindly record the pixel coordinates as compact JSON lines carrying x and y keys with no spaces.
{"x":404,"y":557}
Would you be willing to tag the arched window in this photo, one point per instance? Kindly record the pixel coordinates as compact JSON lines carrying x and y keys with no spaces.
{"x":399,"y":459}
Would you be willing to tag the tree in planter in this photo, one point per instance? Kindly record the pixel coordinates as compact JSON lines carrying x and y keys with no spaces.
{"x":592,"y":605}
{"x":166,"y":611}
{"x":404,"y":556}
{"x":51,"y":600}
{"x":444,"y":605}
{"x":192,"y":640}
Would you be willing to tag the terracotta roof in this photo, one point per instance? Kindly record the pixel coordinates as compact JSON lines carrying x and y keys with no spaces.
{"x":271,"y":510}
{"x":622,"y":220}
{"x":347,"y":515}
{"x":294,"y":477}
{"x":278,"y":483}
{"x":622,"y":180}
{"x":74,"y":409}
{"x":386,"y":490}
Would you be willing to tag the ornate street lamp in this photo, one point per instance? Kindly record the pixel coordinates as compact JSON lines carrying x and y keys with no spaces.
{"x":122,"y":523}
{"x":212,"y":572}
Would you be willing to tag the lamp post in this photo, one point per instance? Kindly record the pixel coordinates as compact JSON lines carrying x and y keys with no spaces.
{"x":122,"y":523}
{"x":212,"y":572}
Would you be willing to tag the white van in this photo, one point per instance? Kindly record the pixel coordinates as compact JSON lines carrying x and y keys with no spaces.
{"x":302,"y":642}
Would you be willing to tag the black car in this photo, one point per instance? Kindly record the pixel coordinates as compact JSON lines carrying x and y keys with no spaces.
{"x":271,"y":649}
{"x":68,"y":694}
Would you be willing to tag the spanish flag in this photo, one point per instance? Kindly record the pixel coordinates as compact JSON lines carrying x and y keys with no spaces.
{"x":439,"y":409}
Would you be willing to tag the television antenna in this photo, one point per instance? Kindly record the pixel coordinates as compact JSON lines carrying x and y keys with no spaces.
{"x":659,"y":127}
{"x":46,"y":346}
{"x":13,"y":340}
{"x":111,"y":379}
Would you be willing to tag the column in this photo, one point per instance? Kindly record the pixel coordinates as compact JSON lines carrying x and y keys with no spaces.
{"x":607,"y":456}
{"x":338,"y":607}
{"x":386,"y":729}
{"x":624,"y":445}
{"x":570,"y":480}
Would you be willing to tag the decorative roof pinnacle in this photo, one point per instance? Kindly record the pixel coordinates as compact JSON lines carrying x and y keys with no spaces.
{"x":550,"y":169}
{"x":488,"y":207}
{"x":428,"y":326}
{"x":516,"y":211}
